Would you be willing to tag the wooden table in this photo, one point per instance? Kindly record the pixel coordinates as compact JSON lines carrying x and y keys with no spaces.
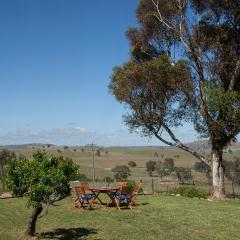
{"x":111,"y":192}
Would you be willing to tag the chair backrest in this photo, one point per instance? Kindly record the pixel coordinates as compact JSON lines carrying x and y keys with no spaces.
{"x":85,"y":185}
{"x":80,"y":191}
{"x":137,"y":188}
{"x":121,"y":185}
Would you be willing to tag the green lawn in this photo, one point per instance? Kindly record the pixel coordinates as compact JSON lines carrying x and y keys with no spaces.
{"x":156,"y":217}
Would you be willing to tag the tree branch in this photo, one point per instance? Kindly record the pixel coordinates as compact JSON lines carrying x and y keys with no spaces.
{"x":177,"y":143}
{"x":236,"y":74}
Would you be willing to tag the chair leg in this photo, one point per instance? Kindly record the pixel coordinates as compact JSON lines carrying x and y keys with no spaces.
{"x":109,"y":202}
{"x":90,"y":203}
{"x":117,"y":204}
{"x":74,"y":204}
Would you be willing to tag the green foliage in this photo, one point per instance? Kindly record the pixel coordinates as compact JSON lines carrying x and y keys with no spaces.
{"x":121,"y":172}
{"x":151,"y":101}
{"x":81,"y":177}
{"x":232,"y":171}
{"x":164,"y":168}
{"x":108,"y":180}
{"x":18,"y":175}
{"x":150,"y":165}
{"x":201,"y":86}
{"x":184,"y":175}
{"x":98,"y":153}
{"x":5,"y":158}
{"x":202,"y":167}
{"x":42,"y":179}
{"x":131,"y":184}
{"x":190,"y":191}
{"x":132,"y":164}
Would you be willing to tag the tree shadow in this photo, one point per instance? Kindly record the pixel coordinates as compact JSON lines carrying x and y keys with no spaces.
{"x":66,"y":234}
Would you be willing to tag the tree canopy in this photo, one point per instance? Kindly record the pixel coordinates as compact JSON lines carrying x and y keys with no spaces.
{"x":184,"y":67}
{"x":43,"y":180}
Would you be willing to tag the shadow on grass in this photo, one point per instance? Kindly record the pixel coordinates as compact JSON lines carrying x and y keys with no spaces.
{"x":70,"y":233}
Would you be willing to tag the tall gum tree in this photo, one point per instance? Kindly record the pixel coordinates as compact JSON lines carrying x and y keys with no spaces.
{"x":184,"y":67}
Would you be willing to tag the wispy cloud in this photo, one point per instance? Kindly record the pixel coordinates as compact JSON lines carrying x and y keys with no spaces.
{"x":82,"y":136}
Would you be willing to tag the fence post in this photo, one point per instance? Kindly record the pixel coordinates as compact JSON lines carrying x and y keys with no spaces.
{"x":152,"y":186}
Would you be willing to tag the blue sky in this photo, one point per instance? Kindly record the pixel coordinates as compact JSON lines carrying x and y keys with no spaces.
{"x":55,"y":66}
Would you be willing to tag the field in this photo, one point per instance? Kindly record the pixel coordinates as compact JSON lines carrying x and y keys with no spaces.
{"x":155,"y":217}
{"x":112,"y":156}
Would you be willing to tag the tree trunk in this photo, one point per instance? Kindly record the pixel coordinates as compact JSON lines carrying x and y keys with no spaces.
{"x":32,"y":221}
{"x":218,"y":175}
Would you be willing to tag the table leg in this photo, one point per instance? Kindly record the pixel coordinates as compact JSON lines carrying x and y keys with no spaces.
{"x":96,"y":196}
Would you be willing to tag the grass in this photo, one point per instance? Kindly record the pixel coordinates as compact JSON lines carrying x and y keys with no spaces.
{"x":156,"y":217}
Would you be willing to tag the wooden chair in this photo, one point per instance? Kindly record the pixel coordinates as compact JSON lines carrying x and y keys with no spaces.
{"x":112,"y":195}
{"x":85,"y":200}
{"x":121,"y":185}
{"x":86,"y":187}
{"x":129,"y":198}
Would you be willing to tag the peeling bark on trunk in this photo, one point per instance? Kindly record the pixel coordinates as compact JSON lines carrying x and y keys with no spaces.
{"x":218,"y":175}
{"x":32,"y":221}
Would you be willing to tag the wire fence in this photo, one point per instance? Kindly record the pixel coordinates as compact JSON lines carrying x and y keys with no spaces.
{"x":165,"y":184}
{"x":157,"y":184}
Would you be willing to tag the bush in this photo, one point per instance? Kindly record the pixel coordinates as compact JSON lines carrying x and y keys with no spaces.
{"x":81,"y":178}
{"x":150,"y":165}
{"x":121,"y":172}
{"x":130,"y":187}
{"x":108,"y":180}
{"x":191,"y":192}
{"x":132,"y":164}
{"x":184,"y":175}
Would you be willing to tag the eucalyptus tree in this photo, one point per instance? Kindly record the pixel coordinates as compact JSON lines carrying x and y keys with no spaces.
{"x":184,"y":67}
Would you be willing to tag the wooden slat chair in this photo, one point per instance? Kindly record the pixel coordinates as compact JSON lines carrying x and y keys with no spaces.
{"x":129,"y":198}
{"x":121,"y":185}
{"x":73,"y":195}
{"x":85,"y":200}
{"x":86,"y":187}
{"x":112,"y":195}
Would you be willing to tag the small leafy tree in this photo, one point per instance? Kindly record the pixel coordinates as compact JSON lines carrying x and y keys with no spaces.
{"x":43,"y":180}
{"x":202,"y":167}
{"x":98,"y":153}
{"x":150,"y":165}
{"x":165,"y":168}
{"x":168,"y":165}
{"x":132,"y":164}
{"x":184,"y":174}
{"x":121,"y":172}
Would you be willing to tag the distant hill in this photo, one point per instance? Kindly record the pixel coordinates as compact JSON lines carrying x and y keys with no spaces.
{"x":198,"y":146}
{"x":22,"y":146}
{"x":204,"y":145}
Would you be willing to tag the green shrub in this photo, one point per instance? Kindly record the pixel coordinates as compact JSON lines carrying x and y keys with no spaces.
{"x":130,"y":187}
{"x":191,"y":192}
{"x":132,"y":164}
{"x":108,"y":180}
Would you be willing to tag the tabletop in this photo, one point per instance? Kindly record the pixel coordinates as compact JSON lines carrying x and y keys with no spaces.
{"x":103,"y":189}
